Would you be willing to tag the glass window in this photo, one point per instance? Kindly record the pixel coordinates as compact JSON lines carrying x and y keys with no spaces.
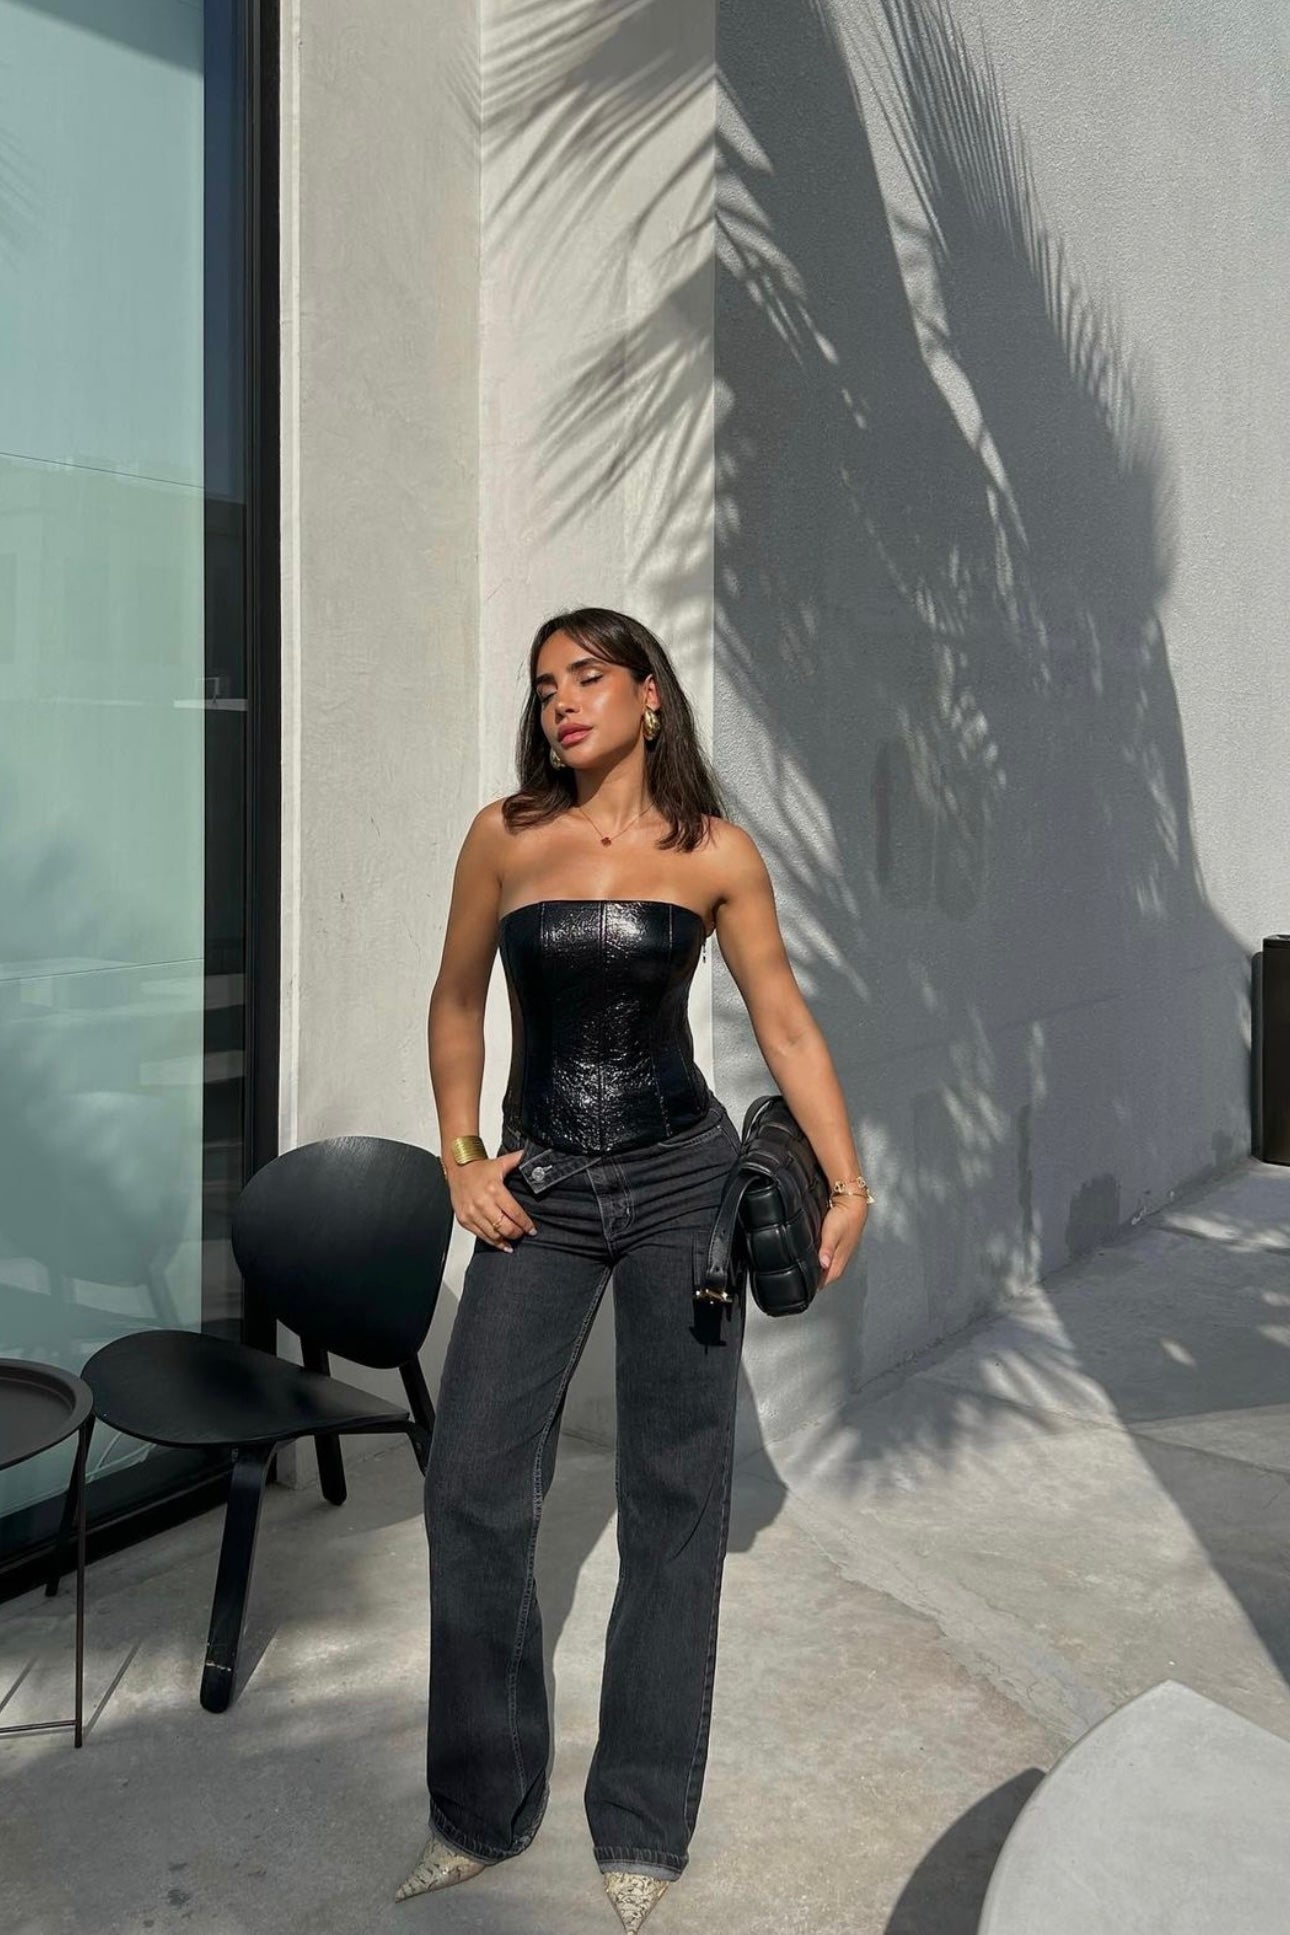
{"x":123,"y":570}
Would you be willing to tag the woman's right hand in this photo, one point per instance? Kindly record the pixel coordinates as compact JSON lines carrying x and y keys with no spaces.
{"x":482,"y":1203}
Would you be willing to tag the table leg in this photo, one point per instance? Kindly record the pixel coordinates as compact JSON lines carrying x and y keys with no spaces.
{"x":82,"y":1455}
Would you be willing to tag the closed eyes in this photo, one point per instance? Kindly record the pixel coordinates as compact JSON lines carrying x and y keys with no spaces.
{"x":593,"y":679}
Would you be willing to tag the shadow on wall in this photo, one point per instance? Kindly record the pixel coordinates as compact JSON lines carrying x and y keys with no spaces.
{"x":943,"y":696}
{"x":944,"y":542}
{"x":944,"y":538}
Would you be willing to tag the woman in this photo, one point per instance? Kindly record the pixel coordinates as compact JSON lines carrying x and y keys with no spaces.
{"x":599,"y":880}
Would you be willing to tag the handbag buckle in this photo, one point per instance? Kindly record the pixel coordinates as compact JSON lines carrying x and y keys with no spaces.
{"x":710,"y":1293}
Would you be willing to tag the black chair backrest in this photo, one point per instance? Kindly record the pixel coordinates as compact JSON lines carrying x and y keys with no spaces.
{"x":345,"y":1240}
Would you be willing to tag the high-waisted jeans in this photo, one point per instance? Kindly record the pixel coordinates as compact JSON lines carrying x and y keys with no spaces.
{"x":644,"y":1216}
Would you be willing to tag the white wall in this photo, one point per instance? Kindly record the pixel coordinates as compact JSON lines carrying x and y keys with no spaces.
{"x":452,"y":308}
{"x":381,"y":686}
{"x":591,"y":294}
{"x":1001,"y":678}
{"x":989,"y":641}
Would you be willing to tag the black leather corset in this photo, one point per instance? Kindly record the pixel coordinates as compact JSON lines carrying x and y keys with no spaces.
{"x":601,"y":1052}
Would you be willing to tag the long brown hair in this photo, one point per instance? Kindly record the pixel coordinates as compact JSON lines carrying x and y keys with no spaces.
{"x":681,"y":782}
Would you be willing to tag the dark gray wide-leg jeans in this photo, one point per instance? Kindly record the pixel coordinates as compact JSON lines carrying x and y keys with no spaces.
{"x":644,"y":1216}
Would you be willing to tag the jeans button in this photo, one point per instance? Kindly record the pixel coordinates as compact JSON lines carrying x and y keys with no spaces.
{"x":539,"y":1174}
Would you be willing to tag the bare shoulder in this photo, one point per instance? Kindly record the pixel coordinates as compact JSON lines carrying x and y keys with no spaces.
{"x":736,"y":858}
{"x":488,"y":835}
{"x":470,"y":933}
{"x":481,"y":844}
{"x":490,"y":819}
{"x":493,"y":850}
{"x":727,"y":836}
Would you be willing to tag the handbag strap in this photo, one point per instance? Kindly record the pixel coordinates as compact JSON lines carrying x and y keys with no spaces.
{"x":720,"y":1260}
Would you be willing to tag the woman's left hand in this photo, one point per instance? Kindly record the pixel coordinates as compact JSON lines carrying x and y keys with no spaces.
{"x":842,"y":1229}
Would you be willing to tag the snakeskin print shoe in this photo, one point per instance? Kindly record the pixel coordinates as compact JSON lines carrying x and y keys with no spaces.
{"x":633,"y":1896}
{"x":440,"y":1866}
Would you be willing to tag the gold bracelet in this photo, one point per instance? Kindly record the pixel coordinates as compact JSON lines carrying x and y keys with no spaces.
{"x":840,"y":1189}
{"x":468,"y":1148}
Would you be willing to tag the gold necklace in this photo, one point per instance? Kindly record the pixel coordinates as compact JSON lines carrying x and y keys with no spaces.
{"x":606,"y":839}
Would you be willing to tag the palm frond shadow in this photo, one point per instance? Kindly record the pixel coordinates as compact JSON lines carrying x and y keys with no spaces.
{"x":1004,"y":279}
{"x":598,"y":81}
{"x":944,"y":530}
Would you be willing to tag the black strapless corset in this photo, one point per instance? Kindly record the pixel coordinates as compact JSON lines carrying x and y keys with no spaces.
{"x":601,"y":1052}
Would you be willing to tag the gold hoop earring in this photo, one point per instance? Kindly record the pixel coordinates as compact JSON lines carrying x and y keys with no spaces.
{"x":653,"y":724}
{"x":554,"y":756}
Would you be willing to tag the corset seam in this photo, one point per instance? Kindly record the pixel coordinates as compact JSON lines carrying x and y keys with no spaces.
{"x":653,"y":1035}
{"x":600,"y":1036}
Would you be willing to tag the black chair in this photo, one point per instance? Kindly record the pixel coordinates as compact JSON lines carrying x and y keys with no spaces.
{"x":344,"y":1242}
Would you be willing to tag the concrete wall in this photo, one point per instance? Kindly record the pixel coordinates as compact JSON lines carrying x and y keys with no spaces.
{"x":961,"y":518}
{"x":595,"y":388}
{"x":381,"y":677}
{"x":1001,"y":674}
{"x":481,"y":233}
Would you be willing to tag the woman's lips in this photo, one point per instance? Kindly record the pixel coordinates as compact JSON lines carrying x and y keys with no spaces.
{"x":572,"y":738}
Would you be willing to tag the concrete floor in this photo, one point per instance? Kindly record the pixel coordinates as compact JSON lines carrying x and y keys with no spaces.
{"x":928,"y":1596}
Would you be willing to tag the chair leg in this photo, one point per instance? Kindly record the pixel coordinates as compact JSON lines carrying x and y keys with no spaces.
{"x":420,"y":1445}
{"x":78,"y":1483}
{"x":63,"y":1540}
{"x":233,"y":1578}
{"x":331,"y":1465}
{"x":421,"y":1429}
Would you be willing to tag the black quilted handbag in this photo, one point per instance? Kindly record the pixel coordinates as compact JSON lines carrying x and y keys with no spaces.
{"x":770,"y":1216}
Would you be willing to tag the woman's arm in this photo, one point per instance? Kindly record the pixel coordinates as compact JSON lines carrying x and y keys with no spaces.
{"x":792,"y":1045}
{"x":455,"y":1027}
{"x":455,"y":1034}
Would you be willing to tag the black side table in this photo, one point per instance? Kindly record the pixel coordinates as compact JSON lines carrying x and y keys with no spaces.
{"x":39,"y":1407}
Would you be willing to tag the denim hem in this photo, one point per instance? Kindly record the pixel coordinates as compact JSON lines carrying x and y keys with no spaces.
{"x":641,"y":1861}
{"x":622,"y":1866}
{"x":480,"y":1850}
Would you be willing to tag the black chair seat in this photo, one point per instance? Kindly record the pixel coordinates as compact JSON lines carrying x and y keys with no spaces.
{"x":342,"y":1241}
{"x":181,"y":1387}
